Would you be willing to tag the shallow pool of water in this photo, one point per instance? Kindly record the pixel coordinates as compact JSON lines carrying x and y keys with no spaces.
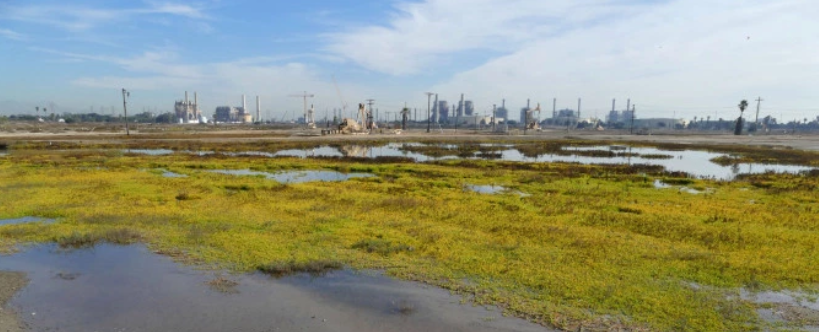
{"x":150,"y":152}
{"x":485,"y":189}
{"x":694,"y":162}
{"x":128,"y":288}
{"x":25,"y":220}
{"x":298,"y":176}
{"x":169,"y":174}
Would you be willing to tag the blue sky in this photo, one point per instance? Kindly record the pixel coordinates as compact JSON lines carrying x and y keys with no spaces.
{"x":684,"y":58}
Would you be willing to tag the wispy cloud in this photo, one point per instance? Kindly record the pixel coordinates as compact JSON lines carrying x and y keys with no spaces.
{"x":13,"y":35}
{"x":419,"y":34}
{"x":218,"y":83}
{"x":80,"y":18}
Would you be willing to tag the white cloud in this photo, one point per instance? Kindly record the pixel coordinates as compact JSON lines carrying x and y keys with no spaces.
{"x":421,"y":33}
{"x":13,"y":35}
{"x":219,"y":83}
{"x":666,"y":56}
{"x":81,"y":18}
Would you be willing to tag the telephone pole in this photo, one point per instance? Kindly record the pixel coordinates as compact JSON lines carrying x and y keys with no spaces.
{"x":125,"y":95}
{"x":429,"y":114}
{"x":370,"y":117}
{"x":494,"y":114}
{"x":759,"y":101}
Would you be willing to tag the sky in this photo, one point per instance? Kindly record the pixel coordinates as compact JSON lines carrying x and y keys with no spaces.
{"x":671,"y":58}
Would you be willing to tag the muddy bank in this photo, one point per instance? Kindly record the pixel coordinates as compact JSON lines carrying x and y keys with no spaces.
{"x":10,"y":284}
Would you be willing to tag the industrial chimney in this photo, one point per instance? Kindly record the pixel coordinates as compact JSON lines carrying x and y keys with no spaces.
{"x":578,"y":108}
{"x":186,"y":98}
{"x":258,"y":109}
{"x":244,"y":105}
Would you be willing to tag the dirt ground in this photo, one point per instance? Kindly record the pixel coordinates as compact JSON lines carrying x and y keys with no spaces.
{"x":10,"y":284}
{"x":803,"y":141}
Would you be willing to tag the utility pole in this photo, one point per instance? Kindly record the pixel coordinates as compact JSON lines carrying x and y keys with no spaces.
{"x":125,"y":94}
{"x":370,"y":103}
{"x":429,"y":114}
{"x":494,"y":116}
{"x":759,"y":101}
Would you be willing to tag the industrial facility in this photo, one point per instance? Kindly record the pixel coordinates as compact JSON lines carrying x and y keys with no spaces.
{"x":187,"y":111}
{"x":233,"y":114}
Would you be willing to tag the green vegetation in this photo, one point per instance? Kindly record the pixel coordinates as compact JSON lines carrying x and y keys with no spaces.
{"x":591,"y":247}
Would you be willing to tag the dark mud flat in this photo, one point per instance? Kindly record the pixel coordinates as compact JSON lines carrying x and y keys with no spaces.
{"x":128,"y":288}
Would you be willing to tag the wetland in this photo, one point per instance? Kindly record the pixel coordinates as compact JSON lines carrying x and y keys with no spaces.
{"x":563,"y":234}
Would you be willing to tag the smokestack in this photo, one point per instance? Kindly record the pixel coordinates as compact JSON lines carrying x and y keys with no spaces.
{"x":554,"y":108}
{"x":258,"y":109}
{"x":195,"y":99}
{"x":503,"y":104}
{"x":186,"y":97}
{"x":244,"y":105}
{"x":527,"y":104}
{"x":612,"y":104}
{"x":437,"y":113}
{"x":578,"y":108}
{"x":461,"y":107}
{"x":628,"y":104}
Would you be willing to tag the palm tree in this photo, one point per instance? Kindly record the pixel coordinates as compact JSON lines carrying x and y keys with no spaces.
{"x":742,"y":106}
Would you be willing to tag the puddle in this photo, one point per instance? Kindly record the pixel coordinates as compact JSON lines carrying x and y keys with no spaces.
{"x":25,"y":220}
{"x":661,"y":185}
{"x":298,"y":176}
{"x":485,"y":189}
{"x":786,"y":307}
{"x":696,"y":163}
{"x":128,"y":288}
{"x":150,"y":152}
{"x":491,"y":189}
{"x":169,"y":174}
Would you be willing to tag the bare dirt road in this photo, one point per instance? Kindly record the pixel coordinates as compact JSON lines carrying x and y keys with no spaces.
{"x":113,"y":134}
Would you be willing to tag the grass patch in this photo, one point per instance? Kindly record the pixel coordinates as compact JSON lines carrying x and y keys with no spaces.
{"x":314,"y":268}
{"x":379,"y":246}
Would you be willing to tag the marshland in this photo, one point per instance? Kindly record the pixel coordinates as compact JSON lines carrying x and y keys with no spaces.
{"x":578,"y":233}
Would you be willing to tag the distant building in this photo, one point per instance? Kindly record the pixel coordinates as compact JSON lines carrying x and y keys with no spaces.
{"x":659,"y":123}
{"x":442,"y":110}
{"x":469,"y":108}
{"x":565,"y":117}
{"x":187,"y":111}
{"x":623,"y":117}
{"x":502,"y":113}
{"x":230,"y":114}
{"x":523,"y":114}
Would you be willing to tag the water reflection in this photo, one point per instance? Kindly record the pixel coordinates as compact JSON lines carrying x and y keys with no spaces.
{"x":696,"y":163}
{"x":298,"y":176}
{"x":26,"y":220}
{"x":128,"y":288}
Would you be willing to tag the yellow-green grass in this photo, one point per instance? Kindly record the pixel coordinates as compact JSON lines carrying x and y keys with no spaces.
{"x":590,"y":246}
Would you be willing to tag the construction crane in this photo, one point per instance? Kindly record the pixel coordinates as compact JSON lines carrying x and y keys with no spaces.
{"x":340,"y":97}
{"x":304,"y":95}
